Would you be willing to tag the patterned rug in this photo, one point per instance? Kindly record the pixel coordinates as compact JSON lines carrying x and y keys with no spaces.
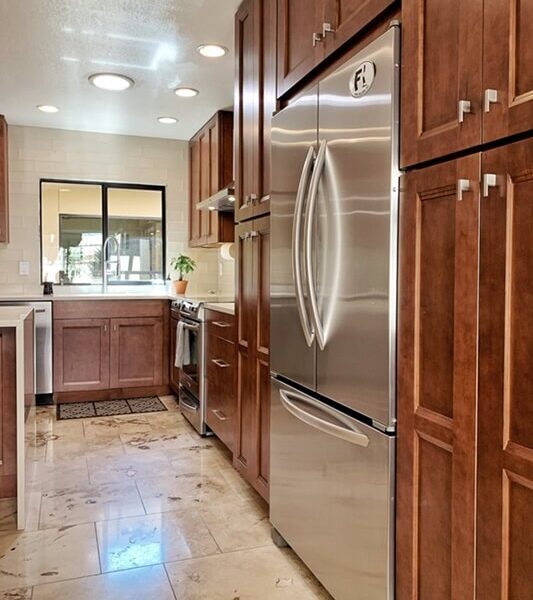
{"x":107,"y":408}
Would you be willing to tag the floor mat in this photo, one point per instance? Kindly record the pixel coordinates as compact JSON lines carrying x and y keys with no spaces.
{"x":107,"y":408}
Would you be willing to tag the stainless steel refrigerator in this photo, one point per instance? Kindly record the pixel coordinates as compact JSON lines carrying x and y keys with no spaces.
{"x":334,"y":222}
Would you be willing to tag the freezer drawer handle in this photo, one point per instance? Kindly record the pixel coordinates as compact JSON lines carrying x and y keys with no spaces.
{"x":347,"y":432}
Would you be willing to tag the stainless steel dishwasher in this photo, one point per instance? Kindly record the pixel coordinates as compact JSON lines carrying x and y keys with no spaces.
{"x":43,"y":347}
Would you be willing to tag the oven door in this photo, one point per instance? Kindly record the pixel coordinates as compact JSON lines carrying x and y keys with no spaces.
{"x":190,"y":376}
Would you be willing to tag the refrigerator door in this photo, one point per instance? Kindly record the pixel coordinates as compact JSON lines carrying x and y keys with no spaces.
{"x":294,"y":134}
{"x":331,"y":494}
{"x":351,"y":232}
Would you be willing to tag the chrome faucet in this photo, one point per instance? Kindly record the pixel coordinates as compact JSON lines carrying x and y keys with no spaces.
{"x":106,"y":262}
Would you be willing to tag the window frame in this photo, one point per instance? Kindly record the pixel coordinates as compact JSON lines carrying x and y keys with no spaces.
{"x":106,"y":186}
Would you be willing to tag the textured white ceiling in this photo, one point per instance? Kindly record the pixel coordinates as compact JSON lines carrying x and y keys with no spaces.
{"x":48,"y":48}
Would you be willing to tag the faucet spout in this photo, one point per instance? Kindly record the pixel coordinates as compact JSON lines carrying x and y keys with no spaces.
{"x":106,"y":262}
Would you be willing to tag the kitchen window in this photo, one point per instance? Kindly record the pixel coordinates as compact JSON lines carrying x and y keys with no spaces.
{"x":77,"y":217}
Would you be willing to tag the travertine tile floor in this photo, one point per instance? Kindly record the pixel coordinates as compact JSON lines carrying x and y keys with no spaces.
{"x":140,"y":507}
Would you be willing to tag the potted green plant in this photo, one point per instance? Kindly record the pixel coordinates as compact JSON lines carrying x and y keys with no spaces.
{"x":184,"y":265}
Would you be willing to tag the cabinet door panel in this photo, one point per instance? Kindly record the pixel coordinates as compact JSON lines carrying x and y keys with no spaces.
{"x":195,"y":217}
{"x":437,"y":348}
{"x":348,"y":17}
{"x":441,"y":56}
{"x":81,"y":355}
{"x":298,"y":20}
{"x":136,"y":352}
{"x":247,"y":107}
{"x":508,"y":67}
{"x":505,"y":438}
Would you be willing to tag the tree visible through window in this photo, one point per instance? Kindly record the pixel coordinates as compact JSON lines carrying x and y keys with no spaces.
{"x":76,"y":218}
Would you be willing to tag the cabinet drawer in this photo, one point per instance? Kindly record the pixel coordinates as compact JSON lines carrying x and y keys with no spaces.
{"x":221,"y":325}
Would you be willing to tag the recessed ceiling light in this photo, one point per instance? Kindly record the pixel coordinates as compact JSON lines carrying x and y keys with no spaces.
{"x":64,"y":190}
{"x":186,"y":92}
{"x":212,"y":50}
{"x":167,"y":120}
{"x":111,"y":81}
{"x":48,"y":108}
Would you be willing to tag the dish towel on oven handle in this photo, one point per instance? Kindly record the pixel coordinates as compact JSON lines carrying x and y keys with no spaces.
{"x":183,"y":350}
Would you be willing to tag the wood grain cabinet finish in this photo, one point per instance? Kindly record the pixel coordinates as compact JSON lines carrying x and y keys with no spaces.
{"x":507,"y":68}
{"x":221,"y":383}
{"x":136,"y":355}
{"x":441,"y":68}
{"x":437,"y":385}
{"x":210,"y":170}
{"x":4,"y":184}
{"x":251,"y":449}
{"x":81,"y":354}
{"x":8,"y":414}
{"x":505,"y":430}
{"x":311,"y":30}
{"x":255,"y":102}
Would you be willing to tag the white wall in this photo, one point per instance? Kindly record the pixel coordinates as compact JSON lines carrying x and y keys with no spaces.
{"x":36,"y":153}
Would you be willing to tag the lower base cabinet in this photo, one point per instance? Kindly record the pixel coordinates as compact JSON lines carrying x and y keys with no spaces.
{"x":221,"y":376}
{"x":465,"y":427}
{"x":251,"y":455}
{"x":113,"y":353}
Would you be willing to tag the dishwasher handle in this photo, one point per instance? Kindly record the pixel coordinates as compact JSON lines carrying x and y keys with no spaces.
{"x":346,"y":431}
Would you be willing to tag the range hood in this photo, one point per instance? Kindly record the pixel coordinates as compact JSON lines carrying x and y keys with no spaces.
{"x":223,"y":201}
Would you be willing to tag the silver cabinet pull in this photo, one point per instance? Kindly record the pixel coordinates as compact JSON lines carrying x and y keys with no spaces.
{"x":491,"y":97}
{"x":317,"y":37}
{"x":105,"y":328}
{"x":327,"y":28}
{"x":463,"y":185}
{"x":253,"y":234}
{"x":345,"y":430}
{"x":249,"y":200}
{"x":220,"y":363}
{"x":465,"y":107}
{"x":219,"y":414}
{"x":489,"y":180}
{"x":221,"y":324}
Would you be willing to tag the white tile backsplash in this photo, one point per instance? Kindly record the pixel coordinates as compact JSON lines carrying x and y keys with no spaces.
{"x":36,"y":153}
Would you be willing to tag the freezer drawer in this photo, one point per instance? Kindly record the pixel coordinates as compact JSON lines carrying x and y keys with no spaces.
{"x":331,"y":494}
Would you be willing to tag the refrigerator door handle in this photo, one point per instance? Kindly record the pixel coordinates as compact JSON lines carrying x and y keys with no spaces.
{"x":310,"y":220}
{"x":346,"y":431}
{"x":309,"y":334}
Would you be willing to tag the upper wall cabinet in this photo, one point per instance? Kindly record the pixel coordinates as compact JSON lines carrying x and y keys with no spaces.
{"x":467,"y":75}
{"x":210,"y":170}
{"x":4,"y":194}
{"x":255,"y":101}
{"x":310,"y":30}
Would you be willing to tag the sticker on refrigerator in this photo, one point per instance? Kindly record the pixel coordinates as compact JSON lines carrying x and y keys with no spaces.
{"x":362,"y":79}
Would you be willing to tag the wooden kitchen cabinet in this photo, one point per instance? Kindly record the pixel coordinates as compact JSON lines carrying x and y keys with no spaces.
{"x":81,"y":354}
{"x":475,"y":52}
{"x":311,"y":30}
{"x":251,"y":449}
{"x":441,"y":67}
{"x":505,"y":428}
{"x":210,"y":170}
{"x":255,"y":102}
{"x":221,"y":382}
{"x":136,"y":352}
{"x":174,"y":378}
{"x":507,"y":68}
{"x":4,"y":183}
{"x":110,"y":348}
{"x":437,"y":382}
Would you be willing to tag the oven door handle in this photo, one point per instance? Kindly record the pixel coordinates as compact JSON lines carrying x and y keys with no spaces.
{"x":191,"y":327}
{"x":187,"y":405}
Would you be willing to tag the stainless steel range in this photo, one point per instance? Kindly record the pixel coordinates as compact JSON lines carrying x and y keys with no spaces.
{"x":190,"y":342}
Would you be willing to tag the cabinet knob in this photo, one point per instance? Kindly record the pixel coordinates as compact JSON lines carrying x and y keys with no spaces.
{"x":465,"y":107}
{"x":317,"y":37}
{"x":491,"y":97}
{"x":327,"y":28}
{"x":489,"y":180}
{"x":463,"y":185}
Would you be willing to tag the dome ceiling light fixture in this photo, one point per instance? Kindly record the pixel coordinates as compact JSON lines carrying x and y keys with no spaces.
{"x":186,"y":92}
{"x":48,"y":108}
{"x":114,"y":82}
{"x":167,"y":120}
{"x":212,"y":50}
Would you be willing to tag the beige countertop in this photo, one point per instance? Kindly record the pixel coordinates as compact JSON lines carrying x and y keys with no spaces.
{"x":223,"y":307}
